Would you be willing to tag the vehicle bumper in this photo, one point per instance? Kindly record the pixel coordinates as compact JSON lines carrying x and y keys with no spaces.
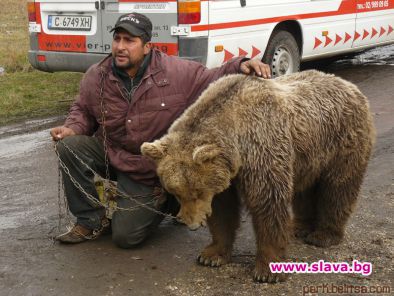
{"x":194,"y":49}
{"x":63,"y":61}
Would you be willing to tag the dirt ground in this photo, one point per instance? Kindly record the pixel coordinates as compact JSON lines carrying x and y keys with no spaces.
{"x":32,"y":264}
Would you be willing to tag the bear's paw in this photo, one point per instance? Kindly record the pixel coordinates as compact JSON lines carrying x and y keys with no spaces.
{"x":214,"y":261}
{"x":214,"y":257}
{"x":263,"y":274}
{"x":301,"y":231}
{"x":323,"y":239}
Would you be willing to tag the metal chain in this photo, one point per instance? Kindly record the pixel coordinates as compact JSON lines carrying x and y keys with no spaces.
{"x":101,"y":96}
{"x":91,"y":198}
{"x":62,"y":201}
{"x":76,"y":184}
{"x":95,"y":173}
{"x":119,"y":193}
{"x":59,"y":197}
{"x":105,"y":142}
{"x":103,"y":124}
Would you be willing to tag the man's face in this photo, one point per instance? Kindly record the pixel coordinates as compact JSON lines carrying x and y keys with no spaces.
{"x":128,"y":51}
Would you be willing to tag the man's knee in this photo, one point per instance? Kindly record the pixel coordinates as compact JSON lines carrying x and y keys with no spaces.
{"x":130,"y":238}
{"x":68,"y":144}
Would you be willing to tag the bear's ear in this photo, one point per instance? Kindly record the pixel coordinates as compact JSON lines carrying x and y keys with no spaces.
{"x":155,"y":150}
{"x":204,"y":153}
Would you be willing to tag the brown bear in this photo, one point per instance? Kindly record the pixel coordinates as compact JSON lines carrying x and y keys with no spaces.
{"x":293,"y":148}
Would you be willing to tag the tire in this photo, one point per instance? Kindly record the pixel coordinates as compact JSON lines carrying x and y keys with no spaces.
{"x":282,"y":54}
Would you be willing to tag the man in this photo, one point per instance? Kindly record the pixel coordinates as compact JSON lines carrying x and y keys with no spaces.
{"x":129,"y":98}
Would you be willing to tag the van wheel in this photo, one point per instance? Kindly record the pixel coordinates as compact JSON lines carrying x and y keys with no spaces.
{"x":282,"y":54}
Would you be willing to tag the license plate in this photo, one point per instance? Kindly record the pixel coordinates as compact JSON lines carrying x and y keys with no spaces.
{"x":69,"y":22}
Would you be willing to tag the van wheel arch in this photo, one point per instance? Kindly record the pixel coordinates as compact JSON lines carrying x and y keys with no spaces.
{"x":283,"y":52}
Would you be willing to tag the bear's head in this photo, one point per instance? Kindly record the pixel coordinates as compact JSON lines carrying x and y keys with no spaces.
{"x":193,"y":175}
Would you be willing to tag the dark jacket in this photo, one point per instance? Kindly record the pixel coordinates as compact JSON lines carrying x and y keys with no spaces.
{"x":168,"y":87}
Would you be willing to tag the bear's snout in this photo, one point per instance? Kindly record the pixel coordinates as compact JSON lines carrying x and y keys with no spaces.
{"x":194,"y":227}
{"x":193,"y":222}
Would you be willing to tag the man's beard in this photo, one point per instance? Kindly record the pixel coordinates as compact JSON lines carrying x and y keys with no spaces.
{"x":124,"y":66}
{"x":127,"y":66}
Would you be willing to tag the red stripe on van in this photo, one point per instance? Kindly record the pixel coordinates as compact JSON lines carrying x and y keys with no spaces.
{"x":346,"y":7}
{"x":155,"y":1}
{"x":71,"y":43}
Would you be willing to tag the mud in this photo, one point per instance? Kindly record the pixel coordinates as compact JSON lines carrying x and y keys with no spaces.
{"x":32,"y":264}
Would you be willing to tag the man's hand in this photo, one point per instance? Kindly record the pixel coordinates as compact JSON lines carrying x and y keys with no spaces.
{"x":60,"y":132}
{"x":257,"y":67}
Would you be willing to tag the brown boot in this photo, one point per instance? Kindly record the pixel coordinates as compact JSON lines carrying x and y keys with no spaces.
{"x":78,"y":233}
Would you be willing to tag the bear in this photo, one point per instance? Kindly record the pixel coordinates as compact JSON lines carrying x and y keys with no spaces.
{"x":292,"y":150}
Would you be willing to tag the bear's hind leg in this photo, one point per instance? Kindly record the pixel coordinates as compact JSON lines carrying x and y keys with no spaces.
{"x":336,"y":196}
{"x":222,"y":224}
{"x":304,"y":210}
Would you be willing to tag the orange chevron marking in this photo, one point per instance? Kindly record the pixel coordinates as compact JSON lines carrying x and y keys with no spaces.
{"x":328,"y":41}
{"x":390,"y":30}
{"x":317,"y":42}
{"x":356,"y":35}
{"x":382,"y":31}
{"x":366,"y":33}
{"x":347,"y":38}
{"x":374,"y":32}
{"x":337,"y":39}
{"x":242,"y":52}
{"x":255,"y":51}
{"x":227,"y":55}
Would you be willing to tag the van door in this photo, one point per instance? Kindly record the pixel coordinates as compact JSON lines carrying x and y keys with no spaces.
{"x":328,"y":27}
{"x":69,"y":26}
{"x":375,"y":22}
{"x":163,"y":15}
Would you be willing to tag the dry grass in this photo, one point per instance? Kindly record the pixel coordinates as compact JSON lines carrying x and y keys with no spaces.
{"x":14,"y":41}
{"x":26,"y":93}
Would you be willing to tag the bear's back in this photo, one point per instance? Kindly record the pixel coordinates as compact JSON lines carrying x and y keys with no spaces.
{"x":323,"y":108}
{"x":318,"y":109}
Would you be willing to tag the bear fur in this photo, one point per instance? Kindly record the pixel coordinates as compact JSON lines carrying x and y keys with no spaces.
{"x":293,"y":150}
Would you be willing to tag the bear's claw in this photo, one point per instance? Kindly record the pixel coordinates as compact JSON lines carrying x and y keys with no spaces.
{"x":302,"y":232}
{"x":212,"y":262}
{"x":268,"y":277}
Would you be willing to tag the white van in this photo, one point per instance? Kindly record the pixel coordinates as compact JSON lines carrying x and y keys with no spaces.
{"x":70,"y":35}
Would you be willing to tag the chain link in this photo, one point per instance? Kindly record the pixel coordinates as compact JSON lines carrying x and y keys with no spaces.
{"x":62,"y":201}
{"x":104,"y":132}
{"x":103,"y":124}
{"x":59,"y":197}
{"x":95,"y":201}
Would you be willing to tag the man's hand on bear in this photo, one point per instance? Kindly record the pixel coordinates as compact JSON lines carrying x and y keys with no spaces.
{"x":257,"y":67}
